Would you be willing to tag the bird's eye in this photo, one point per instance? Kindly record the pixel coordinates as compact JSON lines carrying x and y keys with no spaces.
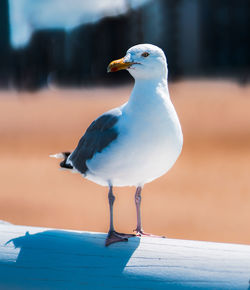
{"x":145,"y":54}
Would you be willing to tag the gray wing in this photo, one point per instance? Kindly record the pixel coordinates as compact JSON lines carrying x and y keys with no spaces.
{"x":98,"y":136}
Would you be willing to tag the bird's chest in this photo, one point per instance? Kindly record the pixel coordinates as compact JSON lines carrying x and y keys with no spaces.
{"x":149,"y":136}
{"x":147,"y":145}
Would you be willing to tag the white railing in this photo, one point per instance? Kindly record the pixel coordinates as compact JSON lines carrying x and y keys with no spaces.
{"x":42,"y":258}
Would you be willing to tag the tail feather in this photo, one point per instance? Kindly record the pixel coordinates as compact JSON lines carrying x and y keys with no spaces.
{"x":57,"y":155}
{"x":63,"y":155}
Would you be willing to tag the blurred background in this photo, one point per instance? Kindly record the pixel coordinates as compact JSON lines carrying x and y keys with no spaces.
{"x":53,"y":83}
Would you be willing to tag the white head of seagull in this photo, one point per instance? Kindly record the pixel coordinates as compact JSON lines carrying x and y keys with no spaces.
{"x":143,"y":61}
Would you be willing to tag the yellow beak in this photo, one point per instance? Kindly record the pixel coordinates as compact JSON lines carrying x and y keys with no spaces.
{"x":118,"y":64}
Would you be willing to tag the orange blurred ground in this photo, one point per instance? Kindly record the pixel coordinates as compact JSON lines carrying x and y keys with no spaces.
{"x":206,"y":196}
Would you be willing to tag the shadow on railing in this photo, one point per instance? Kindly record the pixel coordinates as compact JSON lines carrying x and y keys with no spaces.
{"x":62,"y":259}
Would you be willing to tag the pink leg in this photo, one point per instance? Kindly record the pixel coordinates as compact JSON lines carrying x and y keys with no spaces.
{"x":114,"y":236}
{"x":138,"y":210}
{"x":139,"y":231}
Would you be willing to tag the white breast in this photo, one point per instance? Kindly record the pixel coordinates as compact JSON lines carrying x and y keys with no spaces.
{"x":148,"y":144}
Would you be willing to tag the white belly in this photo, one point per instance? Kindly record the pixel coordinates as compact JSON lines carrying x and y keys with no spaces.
{"x":146,"y":148}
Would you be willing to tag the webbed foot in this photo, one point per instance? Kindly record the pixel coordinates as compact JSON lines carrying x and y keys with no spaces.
{"x":141,"y":233}
{"x":115,"y":237}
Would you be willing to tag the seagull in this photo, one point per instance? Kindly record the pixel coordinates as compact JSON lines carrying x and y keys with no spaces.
{"x":135,"y":143}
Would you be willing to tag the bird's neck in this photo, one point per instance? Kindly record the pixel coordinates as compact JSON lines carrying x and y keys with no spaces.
{"x":148,"y":91}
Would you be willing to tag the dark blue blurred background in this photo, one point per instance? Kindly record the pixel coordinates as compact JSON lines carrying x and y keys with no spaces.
{"x":70,"y":43}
